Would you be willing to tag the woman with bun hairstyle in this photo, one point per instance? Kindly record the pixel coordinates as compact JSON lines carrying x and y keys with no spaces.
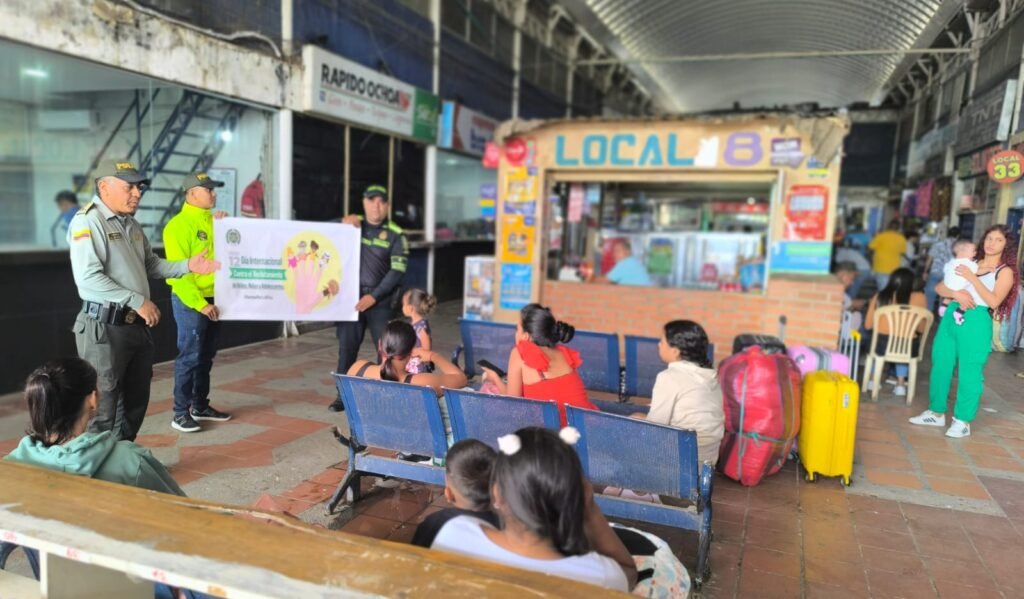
{"x":540,"y":366}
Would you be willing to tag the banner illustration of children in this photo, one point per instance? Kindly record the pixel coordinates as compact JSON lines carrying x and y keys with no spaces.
{"x":313,"y":273}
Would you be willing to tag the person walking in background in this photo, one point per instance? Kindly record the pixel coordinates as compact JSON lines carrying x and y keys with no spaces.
{"x":939,"y":254}
{"x":991,"y":291}
{"x":887,"y":249}
{"x":190,"y":233}
{"x":112,"y":262}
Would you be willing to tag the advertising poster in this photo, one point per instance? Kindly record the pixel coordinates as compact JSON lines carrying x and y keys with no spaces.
{"x":515,"y":286}
{"x":478,"y":301}
{"x":227,"y":196}
{"x":575,"y":202}
{"x":488,"y":200}
{"x":286,"y":270}
{"x":521,"y":192}
{"x":806,"y":213}
{"x":661,"y":257}
{"x":517,"y":240}
{"x":786,"y":152}
{"x":804,"y":257}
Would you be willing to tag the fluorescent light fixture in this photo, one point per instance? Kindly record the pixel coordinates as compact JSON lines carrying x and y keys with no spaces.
{"x":226,"y":135}
{"x":35,"y":73}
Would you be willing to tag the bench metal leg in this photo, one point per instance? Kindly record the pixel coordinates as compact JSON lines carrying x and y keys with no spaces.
{"x":351,"y":480}
{"x":704,"y":548}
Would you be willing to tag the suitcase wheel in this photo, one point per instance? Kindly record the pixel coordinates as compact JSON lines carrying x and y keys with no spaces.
{"x":845,"y":481}
{"x":810,"y":477}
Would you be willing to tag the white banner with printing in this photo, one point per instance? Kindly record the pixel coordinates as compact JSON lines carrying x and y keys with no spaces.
{"x":286,"y":270}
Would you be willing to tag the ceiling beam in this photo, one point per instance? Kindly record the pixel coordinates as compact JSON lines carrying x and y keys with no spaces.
{"x":773,"y":55}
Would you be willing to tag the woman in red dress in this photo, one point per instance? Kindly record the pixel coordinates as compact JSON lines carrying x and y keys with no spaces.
{"x":540,"y":367}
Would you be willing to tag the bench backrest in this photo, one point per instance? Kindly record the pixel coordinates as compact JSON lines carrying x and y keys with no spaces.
{"x":600,"y":353}
{"x":483,"y":340}
{"x":487,"y":417}
{"x":636,"y":454}
{"x":390,"y":415}
{"x":643,"y":364}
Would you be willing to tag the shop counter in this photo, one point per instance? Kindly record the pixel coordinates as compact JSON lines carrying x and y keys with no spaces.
{"x":812,"y":305}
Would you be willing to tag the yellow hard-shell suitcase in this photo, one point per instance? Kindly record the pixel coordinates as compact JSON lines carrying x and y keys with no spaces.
{"x":828,"y":424}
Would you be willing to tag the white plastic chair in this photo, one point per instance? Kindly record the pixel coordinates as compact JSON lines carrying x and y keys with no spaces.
{"x":904,"y":323}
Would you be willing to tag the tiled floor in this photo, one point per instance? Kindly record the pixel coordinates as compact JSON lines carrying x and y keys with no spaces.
{"x":926,"y":516}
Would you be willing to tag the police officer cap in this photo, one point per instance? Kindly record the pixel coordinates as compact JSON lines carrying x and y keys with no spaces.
{"x":376,"y":190}
{"x":200,"y":179}
{"x":122,"y":169}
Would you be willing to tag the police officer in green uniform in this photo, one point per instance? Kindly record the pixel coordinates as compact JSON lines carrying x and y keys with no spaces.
{"x":382,"y":262}
{"x":112,"y":262}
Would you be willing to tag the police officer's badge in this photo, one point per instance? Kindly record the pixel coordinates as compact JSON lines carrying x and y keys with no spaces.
{"x":201,"y":235}
{"x":383,"y":235}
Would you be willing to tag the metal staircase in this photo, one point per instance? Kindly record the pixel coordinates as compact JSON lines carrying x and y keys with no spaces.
{"x":190,"y":139}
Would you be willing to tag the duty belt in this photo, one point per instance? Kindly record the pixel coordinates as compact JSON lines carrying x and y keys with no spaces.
{"x":111,"y":313}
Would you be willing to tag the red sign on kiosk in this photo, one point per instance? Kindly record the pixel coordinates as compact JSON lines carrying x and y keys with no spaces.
{"x":1006,"y":166}
{"x":806,"y":213}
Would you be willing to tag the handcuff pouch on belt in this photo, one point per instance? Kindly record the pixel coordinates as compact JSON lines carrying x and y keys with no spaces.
{"x":111,"y":313}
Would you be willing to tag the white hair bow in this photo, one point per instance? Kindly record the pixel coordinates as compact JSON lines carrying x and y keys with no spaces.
{"x":509,"y":444}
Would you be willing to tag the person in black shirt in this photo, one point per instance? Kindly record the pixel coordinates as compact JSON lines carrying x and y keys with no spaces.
{"x":383,"y":260}
{"x":467,"y":482}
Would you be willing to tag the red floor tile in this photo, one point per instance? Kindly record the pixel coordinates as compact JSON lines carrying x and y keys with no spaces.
{"x":773,"y":562}
{"x":371,"y":526}
{"x":891,"y":584}
{"x":899,"y":562}
{"x":754,"y":583}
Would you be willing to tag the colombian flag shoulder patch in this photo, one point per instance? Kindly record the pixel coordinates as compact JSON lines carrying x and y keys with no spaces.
{"x":81,"y":234}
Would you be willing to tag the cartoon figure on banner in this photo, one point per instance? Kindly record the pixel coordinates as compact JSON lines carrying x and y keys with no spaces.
{"x":312,"y":277}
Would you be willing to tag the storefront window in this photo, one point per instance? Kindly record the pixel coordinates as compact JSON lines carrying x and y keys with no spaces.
{"x":369,"y":164}
{"x":466,"y":196}
{"x":408,"y":201}
{"x":319,"y":169}
{"x":60,"y":116}
{"x":691,"y":235}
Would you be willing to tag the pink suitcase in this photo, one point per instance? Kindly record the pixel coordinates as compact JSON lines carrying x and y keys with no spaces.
{"x":810,"y":359}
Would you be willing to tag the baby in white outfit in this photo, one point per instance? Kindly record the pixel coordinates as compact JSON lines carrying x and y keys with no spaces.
{"x":963,"y":254}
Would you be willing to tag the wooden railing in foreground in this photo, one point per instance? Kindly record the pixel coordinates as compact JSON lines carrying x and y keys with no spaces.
{"x":107,"y":540}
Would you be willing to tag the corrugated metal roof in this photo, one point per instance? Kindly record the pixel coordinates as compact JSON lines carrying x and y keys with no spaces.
{"x":643,"y":29}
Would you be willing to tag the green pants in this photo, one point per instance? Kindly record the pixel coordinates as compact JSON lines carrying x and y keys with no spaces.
{"x":968,"y":345}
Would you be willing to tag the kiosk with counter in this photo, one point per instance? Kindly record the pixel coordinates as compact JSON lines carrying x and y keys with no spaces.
{"x":725,"y":220}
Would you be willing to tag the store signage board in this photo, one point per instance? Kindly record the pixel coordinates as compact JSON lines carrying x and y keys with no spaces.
{"x":342,"y":89}
{"x":806,"y":212}
{"x":930,"y":145}
{"x":465,"y":130}
{"x":977,"y":163}
{"x":739,"y":149}
{"x":802,"y":257}
{"x":1006,"y":166}
{"x":987,"y":118}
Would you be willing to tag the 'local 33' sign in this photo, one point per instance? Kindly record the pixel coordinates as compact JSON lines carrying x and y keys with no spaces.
{"x":1006,"y":166}
{"x":342,"y":89}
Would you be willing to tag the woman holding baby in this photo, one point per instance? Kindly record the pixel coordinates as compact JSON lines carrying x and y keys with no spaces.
{"x":965,"y":331}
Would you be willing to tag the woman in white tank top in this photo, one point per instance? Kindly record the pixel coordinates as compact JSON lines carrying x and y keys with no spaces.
{"x":991,"y":291}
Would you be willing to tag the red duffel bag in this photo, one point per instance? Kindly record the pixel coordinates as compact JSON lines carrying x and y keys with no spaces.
{"x":761,"y":395}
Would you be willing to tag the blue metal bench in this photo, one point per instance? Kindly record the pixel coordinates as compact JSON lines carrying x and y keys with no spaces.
{"x":484,"y":340}
{"x":392,"y":416}
{"x":643,"y":364}
{"x":617,"y":451}
{"x":600,"y":353}
{"x":487,"y":417}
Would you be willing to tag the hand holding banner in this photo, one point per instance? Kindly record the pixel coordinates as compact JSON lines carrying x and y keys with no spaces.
{"x":286,"y":270}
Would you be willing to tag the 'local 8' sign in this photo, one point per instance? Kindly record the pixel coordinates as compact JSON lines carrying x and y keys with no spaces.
{"x":1006,"y":166}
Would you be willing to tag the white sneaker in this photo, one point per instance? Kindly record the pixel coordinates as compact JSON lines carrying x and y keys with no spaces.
{"x":929,"y":418}
{"x":959,"y":429}
{"x":899,"y":391}
{"x":890,"y":380}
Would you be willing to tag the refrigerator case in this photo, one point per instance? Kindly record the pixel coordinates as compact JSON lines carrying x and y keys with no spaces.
{"x":705,"y":259}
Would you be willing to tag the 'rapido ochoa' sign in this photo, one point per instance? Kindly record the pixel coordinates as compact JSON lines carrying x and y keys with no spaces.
{"x":342,"y":89}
